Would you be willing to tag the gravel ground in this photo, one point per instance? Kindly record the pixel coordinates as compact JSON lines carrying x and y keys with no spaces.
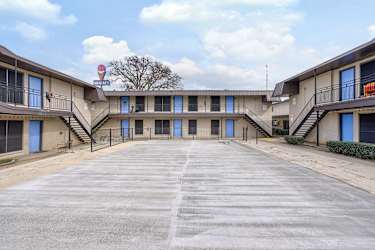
{"x":186,"y":195}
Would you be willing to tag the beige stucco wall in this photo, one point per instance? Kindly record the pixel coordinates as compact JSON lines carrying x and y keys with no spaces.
{"x":330,"y":126}
{"x":54,"y":133}
{"x":203,"y":127}
{"x":280,"y":109}
{"x":96,"y":108}
{"x":81,"y":103}
{"x":329,"y":129}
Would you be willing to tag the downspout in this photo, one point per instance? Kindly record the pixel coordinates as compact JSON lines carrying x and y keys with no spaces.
{"x":15,"y":82}
{"x":332,"y":85}
{"x":71,"y":110}
{"x":315,"y":87}
{"x":317,"y":112}
{"x":50,"y":91}
{"x":71,"y":96}
{"x":206,"y":107}
{"x":146,"y":97}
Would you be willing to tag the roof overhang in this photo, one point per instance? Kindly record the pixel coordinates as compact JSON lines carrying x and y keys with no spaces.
{"x":12,"y":59}
{"x":359,"y":53}
{"x":264,"y":93}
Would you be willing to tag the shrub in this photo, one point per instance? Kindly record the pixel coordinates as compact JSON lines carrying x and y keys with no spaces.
{"x":280,"y":131}
{"x":295,"y":140}
{"x":359,"y":150}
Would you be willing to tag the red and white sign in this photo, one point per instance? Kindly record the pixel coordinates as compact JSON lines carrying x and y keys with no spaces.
{"x":102,"y":70}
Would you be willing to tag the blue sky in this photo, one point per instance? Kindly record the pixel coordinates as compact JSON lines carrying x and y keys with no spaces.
{"x":210,"y":43}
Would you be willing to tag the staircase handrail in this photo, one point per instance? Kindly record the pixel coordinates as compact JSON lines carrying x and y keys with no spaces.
{"x":302,"y":115}
{"x":100,"y":116}
{"x":81,"y":118}
{"x":263,"y":124}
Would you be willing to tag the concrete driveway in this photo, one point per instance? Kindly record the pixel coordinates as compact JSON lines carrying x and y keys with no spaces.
{"x":186,"y":195}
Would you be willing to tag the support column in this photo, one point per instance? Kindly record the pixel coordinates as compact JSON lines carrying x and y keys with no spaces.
{"x":69,"y":135}
{"x":317,"y":112}
{"x":315,"y":88}
{"x":332,"y":86}
{"x":15,"y":82}
{"x":71,"y":96}
{"x":317,"y":129}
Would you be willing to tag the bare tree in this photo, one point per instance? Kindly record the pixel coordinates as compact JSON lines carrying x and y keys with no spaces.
{"x":143,"y":73}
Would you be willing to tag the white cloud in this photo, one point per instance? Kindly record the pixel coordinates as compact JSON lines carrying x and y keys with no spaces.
{"x":30,"y":32}
{"x":233,"y":29}
{"x":371,"y":30}
{"x":238,"y":38}
{"x":254,"y":43}
{"x":42,"y":10}
{"x":193,"y":10}
{"x":101,"y":49}
{"x":215,"y":76}
{"x":251,"y":2}
{"x":167,"y":12}
{"x":186,"y":68}
{"x":233,"y":74}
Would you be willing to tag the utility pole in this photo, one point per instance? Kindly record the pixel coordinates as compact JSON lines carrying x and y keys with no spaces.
{"x":266,"y":76}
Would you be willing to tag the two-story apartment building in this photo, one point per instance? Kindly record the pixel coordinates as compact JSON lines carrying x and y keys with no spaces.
{"x":40,"y":108}
{"x":334,"y":100}
{"x":200,"y":114}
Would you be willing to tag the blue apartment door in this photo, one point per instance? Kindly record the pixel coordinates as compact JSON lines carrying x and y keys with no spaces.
{"x":177,"y":128}
{"x":35,"y":129}
{"x":230,"y":104}
{"x":35,"y":92}
{"x":229,"y":132}
{"x":346,"y":127}
{"x":347,"y":84}
{"x":125,"y":128}
{"x":124,"y":104}
{"x":178,"y":104}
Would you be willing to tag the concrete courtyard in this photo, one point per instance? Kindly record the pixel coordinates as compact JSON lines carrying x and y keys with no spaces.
{"x":186,"y":195}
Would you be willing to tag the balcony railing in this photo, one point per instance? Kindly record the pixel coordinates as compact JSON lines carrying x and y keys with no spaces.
{"x":346,"y":91}
{"x":349,"y":90}
{"x":260,"y":121}
{"x":162,"y":131}
{"x":302,"y":115}
{"x":215,"y":107}
{"x":162,"y":108}
{"x":139,"y":107}
{"x":33,"y":98}
{"x":193,"y":107}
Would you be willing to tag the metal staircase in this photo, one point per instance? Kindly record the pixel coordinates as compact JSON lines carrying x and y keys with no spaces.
{"x":307,"y":119}
{"x":78,"y":125}
{"x":100,"y":119}
{"x":260,"y":125}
